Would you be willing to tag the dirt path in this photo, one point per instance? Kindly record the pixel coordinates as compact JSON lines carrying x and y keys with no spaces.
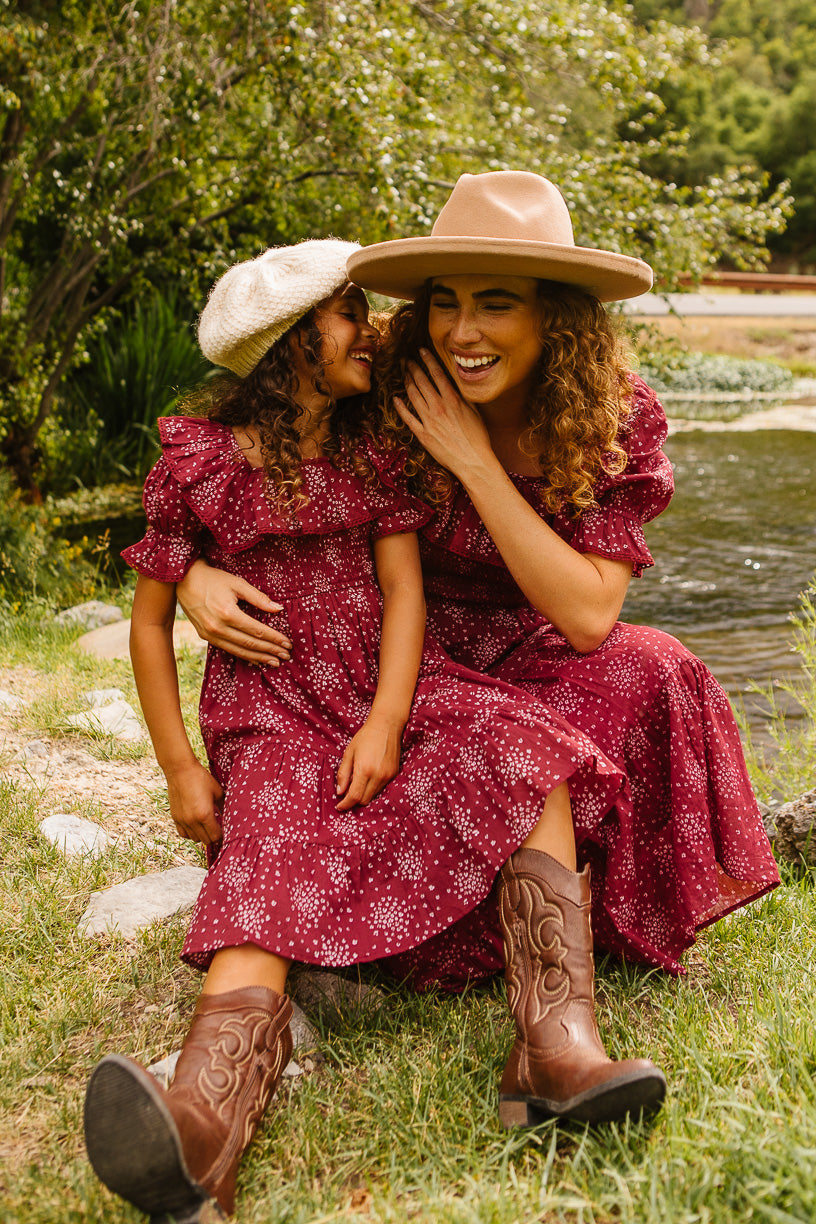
{"x":73,"y":772}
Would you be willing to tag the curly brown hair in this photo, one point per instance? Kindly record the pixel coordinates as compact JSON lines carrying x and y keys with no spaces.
{"x":582,"y":396}
{"x":265,"y":398}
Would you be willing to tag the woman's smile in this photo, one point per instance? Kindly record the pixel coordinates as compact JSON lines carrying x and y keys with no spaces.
{"x":485,"y":332}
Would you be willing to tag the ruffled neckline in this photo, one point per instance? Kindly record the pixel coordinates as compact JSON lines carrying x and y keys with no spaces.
{"x":229,"y":494}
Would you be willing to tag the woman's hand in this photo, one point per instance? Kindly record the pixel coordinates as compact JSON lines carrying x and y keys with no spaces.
{"x":370,"y":761}
{"x":444,"y":423}
{"x":210,"y":599}
{"x":195,"y":803}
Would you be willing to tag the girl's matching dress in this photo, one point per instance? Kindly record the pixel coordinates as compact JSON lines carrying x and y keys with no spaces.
{"x":292,"y":874}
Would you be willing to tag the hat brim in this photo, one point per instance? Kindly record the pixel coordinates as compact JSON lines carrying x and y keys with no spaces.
{"x":399,"y":268}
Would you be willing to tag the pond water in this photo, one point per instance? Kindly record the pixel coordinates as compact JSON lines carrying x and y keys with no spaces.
{"x":732,"y":552}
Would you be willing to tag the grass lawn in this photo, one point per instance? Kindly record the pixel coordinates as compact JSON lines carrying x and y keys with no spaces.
{"x":398,"y":1120}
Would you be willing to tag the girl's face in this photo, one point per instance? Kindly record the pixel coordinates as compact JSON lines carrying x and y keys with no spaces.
{"x":485,"y":332}
{"x":349,"y":342}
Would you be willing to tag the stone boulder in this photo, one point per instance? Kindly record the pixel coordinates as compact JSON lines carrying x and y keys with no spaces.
{"x":89,"y":615}
{"x":129,"y":907}
{"x":792,"y":828}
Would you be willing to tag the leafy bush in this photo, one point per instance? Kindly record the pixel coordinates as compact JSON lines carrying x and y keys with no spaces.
{"x":35,"y":562}
{"x":709,"y":386}
{"x":135,"y":371}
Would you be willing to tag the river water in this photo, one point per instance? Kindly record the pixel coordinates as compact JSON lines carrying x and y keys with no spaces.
{"x":732,"y":552}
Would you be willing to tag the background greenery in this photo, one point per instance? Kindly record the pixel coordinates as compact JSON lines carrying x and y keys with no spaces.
{"x":145,"y":146}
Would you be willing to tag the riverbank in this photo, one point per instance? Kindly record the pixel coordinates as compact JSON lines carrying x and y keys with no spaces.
{"x":798,"y":414}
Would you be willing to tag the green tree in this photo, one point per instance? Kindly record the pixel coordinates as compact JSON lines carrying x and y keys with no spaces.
{"x":157,"y":141}
{"x":751,"y":102}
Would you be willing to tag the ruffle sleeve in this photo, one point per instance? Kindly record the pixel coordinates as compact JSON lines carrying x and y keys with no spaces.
{"x":400,"y":511}
{"x":625,"y":501}
{"x":173,"y":539}
{"x":635,"y":496}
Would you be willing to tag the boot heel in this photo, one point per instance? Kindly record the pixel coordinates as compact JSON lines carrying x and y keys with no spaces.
{"x":517,"y":1112}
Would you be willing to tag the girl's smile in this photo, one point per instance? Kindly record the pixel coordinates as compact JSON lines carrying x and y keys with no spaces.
{"x":485,"y":332}
{"x":349,"y":342}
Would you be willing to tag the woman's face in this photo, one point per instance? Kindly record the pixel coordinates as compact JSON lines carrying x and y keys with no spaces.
{"x":349,"y":342}
{"x":485,"y":332}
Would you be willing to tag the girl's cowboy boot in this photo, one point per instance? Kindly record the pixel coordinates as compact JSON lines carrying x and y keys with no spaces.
{"x":558,"y":1067}
{"x":172,"y":1151}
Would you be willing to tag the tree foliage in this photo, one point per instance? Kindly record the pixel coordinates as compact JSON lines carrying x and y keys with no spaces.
{"x":752,"y":102}
{"x":159,"y":140}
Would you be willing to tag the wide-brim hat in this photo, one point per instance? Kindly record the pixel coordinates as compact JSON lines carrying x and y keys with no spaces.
{"x":257,"y":301}
{"x":504,"y":223}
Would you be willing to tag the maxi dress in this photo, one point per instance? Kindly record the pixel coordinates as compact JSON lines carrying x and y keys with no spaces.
{"x":479,"y":757}
{"x":685,"y":844}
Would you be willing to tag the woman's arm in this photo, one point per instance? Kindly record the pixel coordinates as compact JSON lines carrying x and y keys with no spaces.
{"x":210,"y":597}
{"x":193,"y":792}
{"x":581,"y":594}
{"x":372,"y":757}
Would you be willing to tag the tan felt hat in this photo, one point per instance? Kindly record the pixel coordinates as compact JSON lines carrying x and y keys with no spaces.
{"x":505,"y":223}
{"x":257,"y":301}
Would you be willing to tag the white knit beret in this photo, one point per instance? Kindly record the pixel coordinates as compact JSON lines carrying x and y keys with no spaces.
{"x":257,"y":301}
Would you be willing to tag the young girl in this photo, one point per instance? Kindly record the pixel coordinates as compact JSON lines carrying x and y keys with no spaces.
{"x":363,"y":791}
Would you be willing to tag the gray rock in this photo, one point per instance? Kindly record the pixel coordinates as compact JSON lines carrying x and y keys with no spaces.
{"x":34,"y":750}
{"x":304,"y":1036}
{"x":165,"y":1068}
{"x":118,"y":718}
{"x":128,"y":908}
{"x":315,"y":989}
{"x":103,"y":697}
{"x":112,"y":641}
{"x":89,"y":615}
{"x":9,"y":702}
{"x":75,"y":836}
{"x":792,"y":828}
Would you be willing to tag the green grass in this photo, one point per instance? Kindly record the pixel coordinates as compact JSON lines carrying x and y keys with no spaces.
{"x":398,"y":1120}
{"x":789,"y":767}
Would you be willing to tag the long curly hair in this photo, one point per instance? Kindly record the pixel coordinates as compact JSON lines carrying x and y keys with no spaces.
{"x":265,"y":398}
{"x":581,"y":400}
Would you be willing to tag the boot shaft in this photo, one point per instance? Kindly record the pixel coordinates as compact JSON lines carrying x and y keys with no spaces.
{"x":235,"y":1053}
{"x":544,"y":911}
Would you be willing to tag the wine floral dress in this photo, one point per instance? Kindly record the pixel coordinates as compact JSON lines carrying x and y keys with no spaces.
{"x":292,"y":874}
{"x":685,"y":843}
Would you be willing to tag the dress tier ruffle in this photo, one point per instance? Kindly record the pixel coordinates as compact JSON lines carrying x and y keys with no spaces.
{"x":685,"y":843}
{"x":479,"y":758}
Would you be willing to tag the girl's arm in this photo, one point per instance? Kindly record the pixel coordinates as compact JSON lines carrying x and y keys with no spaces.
{"x":581,"y":594}
{"x":210,"y":599}
{"x":373,"y":755}
{"x":193,"y":792}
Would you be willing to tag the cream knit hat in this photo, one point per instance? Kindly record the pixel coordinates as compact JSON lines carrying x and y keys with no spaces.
{"x":257,"y":301}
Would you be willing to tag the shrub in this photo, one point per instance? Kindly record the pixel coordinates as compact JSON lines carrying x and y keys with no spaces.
{"x":709,"y":386}
{"x":35,"y":562}
{"x":136,"y":369}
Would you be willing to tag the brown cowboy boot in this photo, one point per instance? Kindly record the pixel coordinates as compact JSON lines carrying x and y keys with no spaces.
{"x":558,"y":1067}
{"x":172,"y":1151}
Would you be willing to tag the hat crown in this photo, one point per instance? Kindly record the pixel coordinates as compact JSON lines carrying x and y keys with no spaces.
{"x":506,"y":204}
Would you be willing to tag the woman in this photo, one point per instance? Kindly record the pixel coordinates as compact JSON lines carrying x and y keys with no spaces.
{"x":543,"y":454}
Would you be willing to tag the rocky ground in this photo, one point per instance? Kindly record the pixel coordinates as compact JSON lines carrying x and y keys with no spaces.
{"x":70,"y":774}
